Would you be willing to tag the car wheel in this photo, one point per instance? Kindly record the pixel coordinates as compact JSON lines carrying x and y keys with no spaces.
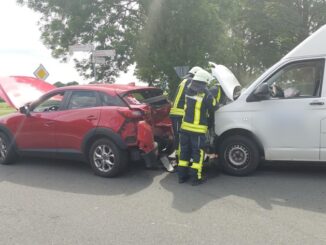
{"x":7,"y":153}
{"x":239,"y":155}
{"x":106,"y":159}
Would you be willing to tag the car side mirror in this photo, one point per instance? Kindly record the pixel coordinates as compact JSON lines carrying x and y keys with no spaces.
{"x":260,"y":93}
{"x":25,"y":110}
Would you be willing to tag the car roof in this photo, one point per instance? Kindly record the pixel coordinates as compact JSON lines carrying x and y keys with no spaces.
{"x":118,"y":88}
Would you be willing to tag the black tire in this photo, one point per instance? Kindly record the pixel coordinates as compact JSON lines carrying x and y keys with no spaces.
{"x":239,"y":155}
{"x":7,"y":152}
{"x":110,"y":160}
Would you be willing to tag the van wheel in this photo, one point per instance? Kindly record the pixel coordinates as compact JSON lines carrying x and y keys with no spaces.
{"x":7,"y":153}
{"x":106,"y":159}
{"x":239,"y":155}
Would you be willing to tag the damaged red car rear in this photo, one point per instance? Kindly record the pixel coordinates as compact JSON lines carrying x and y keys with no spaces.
{"x":106,"y":125}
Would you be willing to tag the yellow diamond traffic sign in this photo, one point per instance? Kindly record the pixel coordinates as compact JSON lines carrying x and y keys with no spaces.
{"x":41,"y":72}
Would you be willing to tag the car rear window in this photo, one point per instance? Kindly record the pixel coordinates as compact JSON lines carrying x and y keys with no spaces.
{"x":141,"y":96}
{"x":110,"y":100}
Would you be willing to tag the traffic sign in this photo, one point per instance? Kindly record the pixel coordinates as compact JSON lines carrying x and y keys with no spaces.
{"x":181,"y":70}
{"x":104,"y":53}
{"x":99,"y":60}
{"x":41,"y":72}
{"x":81,"y":48}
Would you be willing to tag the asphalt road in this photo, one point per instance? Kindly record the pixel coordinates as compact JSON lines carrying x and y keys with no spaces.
{"x":60,"y":202}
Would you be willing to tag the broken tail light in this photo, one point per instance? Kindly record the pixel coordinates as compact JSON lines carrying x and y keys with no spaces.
{"x":132,"y":114}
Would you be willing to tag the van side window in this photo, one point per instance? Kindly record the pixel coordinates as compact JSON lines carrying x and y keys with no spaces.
{"x":297,"y":80}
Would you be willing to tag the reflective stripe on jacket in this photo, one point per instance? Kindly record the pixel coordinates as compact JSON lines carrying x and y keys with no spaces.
{"x":219,"y":94}
{"x":179,"y":100}
{"x":197,"y":109}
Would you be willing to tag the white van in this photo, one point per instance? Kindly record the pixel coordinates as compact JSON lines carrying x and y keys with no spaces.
{"x":279,"y":117}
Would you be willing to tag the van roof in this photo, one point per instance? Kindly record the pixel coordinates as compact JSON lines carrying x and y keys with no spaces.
{"x":314,"y":45}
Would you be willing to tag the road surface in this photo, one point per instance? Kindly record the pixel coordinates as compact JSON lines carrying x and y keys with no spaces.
{"x":62,"y":202}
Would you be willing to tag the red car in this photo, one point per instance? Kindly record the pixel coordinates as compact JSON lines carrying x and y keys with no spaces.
{"x":106,"y":125}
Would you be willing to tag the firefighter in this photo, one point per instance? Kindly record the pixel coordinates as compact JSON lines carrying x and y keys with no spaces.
{"x":177,"y":110}
{"x":218,"y":94}
{"x":198,"y":106}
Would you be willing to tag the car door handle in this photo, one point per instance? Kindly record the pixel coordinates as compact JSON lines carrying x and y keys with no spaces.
{"x":90,"y":118}
{"x":48,"y":123}
{"x":317,"y":103}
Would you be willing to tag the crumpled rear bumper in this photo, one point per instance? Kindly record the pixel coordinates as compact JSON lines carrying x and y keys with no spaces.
{"x":145,"y":137}
{"x":146,"y":143}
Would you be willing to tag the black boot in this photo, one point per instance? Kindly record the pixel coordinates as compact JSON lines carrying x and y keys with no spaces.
{"x":197,"y":181}
{"x":194,"y":178}
{"x":183,"y":174}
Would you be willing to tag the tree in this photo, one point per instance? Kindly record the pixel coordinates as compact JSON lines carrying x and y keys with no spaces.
{"x":263,"y":31}
{"x":72,"y":83}
{"x":177,"y":33}
{"x":245,"y":35}
{"x":59,"y":84}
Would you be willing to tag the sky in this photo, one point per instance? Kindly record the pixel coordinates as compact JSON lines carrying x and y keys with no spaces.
{"x":21,"y":50}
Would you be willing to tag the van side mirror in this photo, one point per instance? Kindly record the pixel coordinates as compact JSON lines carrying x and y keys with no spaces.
{"x":25,"y":110}
{"x":261,"y":93}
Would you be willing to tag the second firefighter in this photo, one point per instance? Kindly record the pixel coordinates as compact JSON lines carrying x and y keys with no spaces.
{"x":199,"y":104}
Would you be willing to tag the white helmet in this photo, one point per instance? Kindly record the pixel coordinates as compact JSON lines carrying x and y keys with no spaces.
{"x":194,"y":70}
{"x":203,"y":76}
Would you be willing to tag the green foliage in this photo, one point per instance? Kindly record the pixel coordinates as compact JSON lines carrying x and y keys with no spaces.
{"x":60,"y":84}
{"x":72,"y":83}
{"x":177,"y":33}
{"x":5,"y":109}
{"x":262,"y":31}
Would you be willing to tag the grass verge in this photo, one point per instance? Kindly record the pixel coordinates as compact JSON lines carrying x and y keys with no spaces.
{"x":5,"y":109}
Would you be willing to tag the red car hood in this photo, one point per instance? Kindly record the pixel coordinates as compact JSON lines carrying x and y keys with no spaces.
{"x":16,"y":91}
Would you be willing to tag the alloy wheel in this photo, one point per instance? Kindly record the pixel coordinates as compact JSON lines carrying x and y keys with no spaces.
{"x":104,"y":158}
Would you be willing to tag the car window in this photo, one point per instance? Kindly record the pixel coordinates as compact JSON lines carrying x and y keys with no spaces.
{"x":82,"y":99}
{"x":139,"y":97}
{"x":299,"y":79}
{"x":52,"y":103}
{"x":110,"y":100}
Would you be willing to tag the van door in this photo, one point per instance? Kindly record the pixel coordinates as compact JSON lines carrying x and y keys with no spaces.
{"x":289,"y":121}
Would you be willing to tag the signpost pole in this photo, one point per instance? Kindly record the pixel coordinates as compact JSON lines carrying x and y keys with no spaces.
{"x":94,"y":69}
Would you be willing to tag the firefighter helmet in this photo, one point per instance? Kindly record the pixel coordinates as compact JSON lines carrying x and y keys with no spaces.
{"x":203,"y":76}
{"x":194,"y":70}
